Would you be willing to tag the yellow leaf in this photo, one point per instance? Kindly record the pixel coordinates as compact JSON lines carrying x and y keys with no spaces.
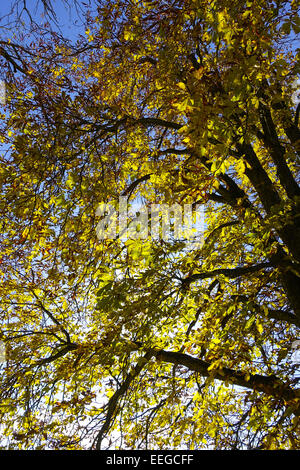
{"x":181,"y":85}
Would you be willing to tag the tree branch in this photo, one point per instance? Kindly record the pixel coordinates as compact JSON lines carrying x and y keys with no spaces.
{"x":259,"y":177}
{"x":62,"y":352}
{"x":150,"y":121}
{"x":269,"y":385}
{"x":128,"y":191}
{"x":52,"y":317}
{"x":277,"y":151}
{"x":275,"y":314}
{"x":231,"y":273}
{"x":113,"y":401}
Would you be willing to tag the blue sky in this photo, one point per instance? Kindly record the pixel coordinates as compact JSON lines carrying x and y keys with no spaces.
{"x":69,"y":18}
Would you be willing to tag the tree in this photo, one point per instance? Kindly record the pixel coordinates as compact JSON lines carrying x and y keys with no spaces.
{"x":151,"y":343}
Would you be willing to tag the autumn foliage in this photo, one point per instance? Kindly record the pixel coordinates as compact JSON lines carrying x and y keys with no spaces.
{"x":147,"y":343}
